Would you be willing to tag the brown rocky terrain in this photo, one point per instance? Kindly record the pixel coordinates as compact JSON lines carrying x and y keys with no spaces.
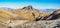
{"x":30,"y":13}
{"x":54,"y":15}
{"x":49,"y":22}
{"x":29,"y":17}
{"x":5,"y":16}
{"x":27,"y":13}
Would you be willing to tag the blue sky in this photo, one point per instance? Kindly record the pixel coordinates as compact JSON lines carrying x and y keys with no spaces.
{"x":38,"y":4}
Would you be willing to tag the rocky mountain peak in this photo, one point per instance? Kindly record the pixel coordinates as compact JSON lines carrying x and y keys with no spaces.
{"x":28,"y":7}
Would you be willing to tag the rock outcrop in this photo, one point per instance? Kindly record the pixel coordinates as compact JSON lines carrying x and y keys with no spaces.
{"x":54,"y":15}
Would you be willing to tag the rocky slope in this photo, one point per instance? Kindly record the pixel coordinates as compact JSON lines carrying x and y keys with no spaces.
{"x":41,"y":24}
{"x":44,"y":17}
{"x":47,"y":23}
{"x":54,"y":15}
{"x":30,"y":13}
{"x":29,"y":17}
{"x":5,"y":16}
{"x":27,"y":13}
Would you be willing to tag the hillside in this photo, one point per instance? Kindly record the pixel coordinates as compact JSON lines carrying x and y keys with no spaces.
{"x":45,"y":22}
{"x":55,"y":15}
{"x":5,"y":16}
{"x":28,"y":15}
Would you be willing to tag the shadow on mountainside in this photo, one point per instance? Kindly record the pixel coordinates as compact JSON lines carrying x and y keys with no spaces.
{"x":53,"y":16}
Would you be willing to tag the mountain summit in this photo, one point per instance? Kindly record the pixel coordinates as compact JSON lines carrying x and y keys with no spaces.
{"x":28,"y":7}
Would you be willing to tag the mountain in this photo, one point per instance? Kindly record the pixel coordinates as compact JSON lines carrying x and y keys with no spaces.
{"x":28,"y":7}
{"x":5,"y":16}
{"x":47,"y":10}
{"x":30,"y":13}
{"x":27,"y":13}
{"x":8,"y":9}
{"x":54,"y":15}
{"x":44,"y":14}
{"x":16,"y":17}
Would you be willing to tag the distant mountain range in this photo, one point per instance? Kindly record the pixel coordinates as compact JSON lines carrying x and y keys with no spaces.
{"x":47,"y":10}
{"x":5,"y":8}
{"x":43,"y":10}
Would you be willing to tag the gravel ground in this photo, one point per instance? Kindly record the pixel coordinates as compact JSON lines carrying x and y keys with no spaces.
{"x":35,"y":24}
{"x":41,"y":24}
